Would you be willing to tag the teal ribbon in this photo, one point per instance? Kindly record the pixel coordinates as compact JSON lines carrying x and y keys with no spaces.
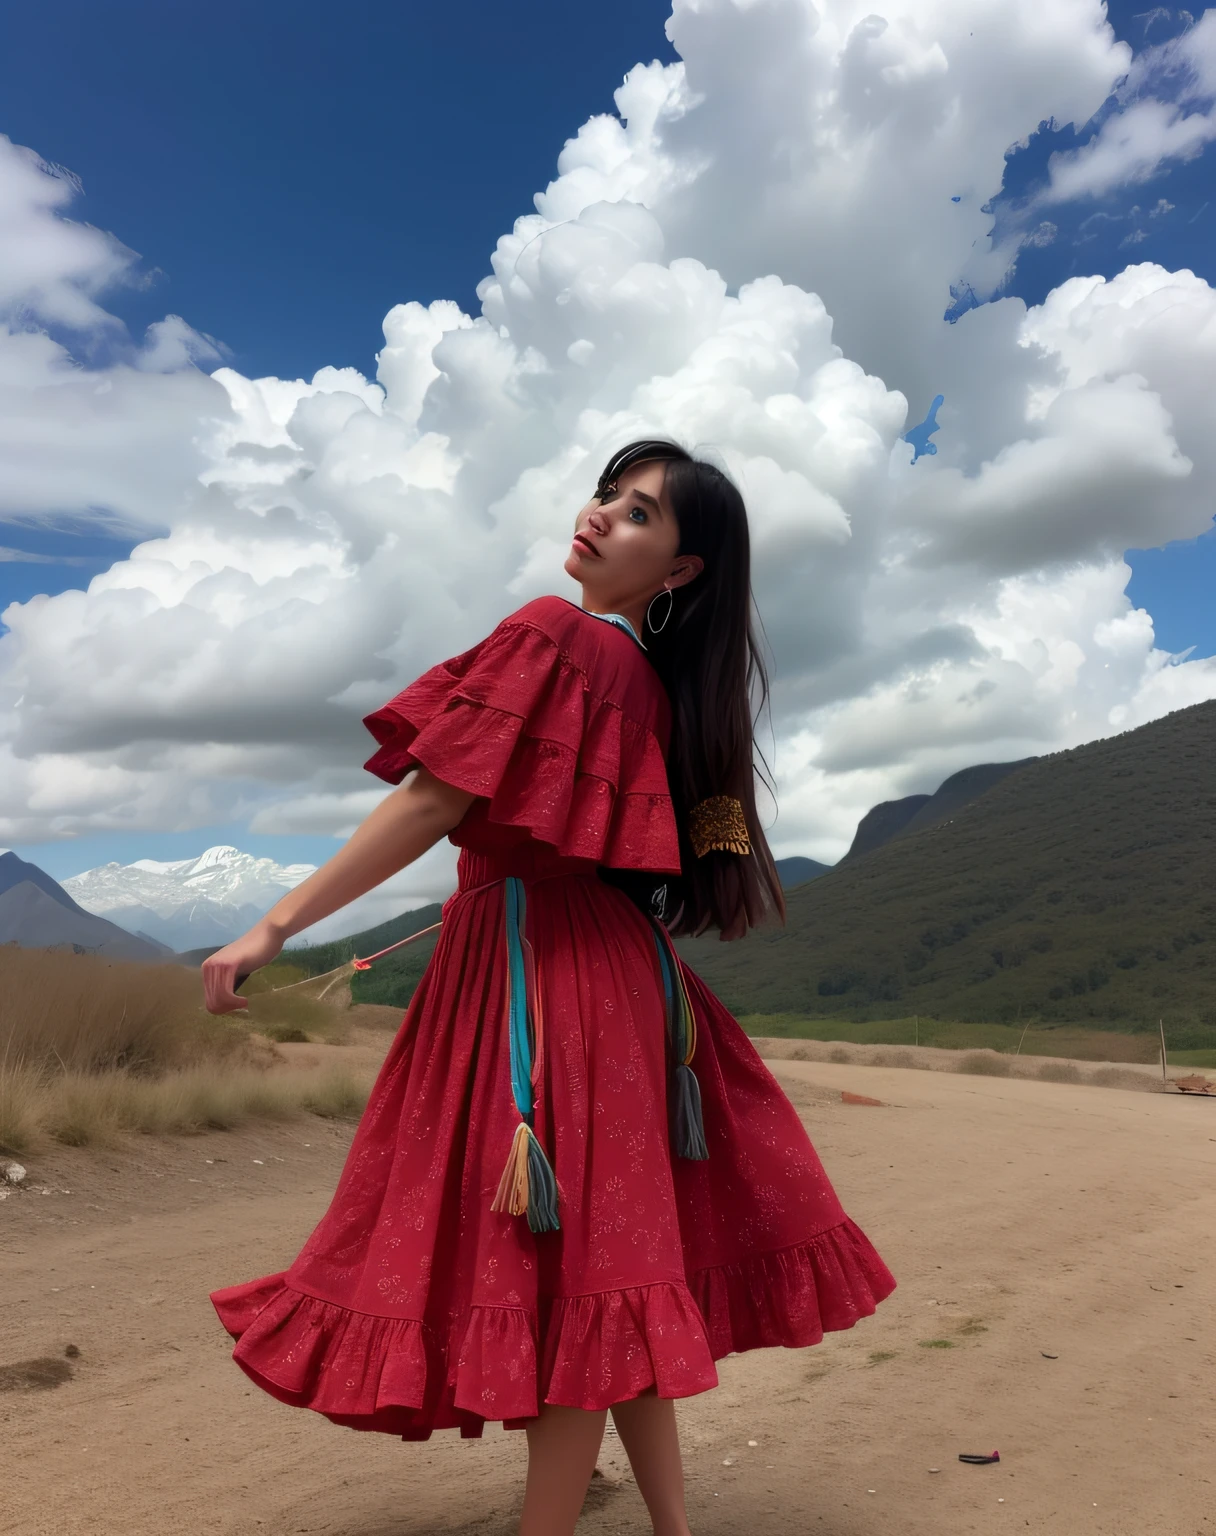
{"x":542,"y":1184}
{"x":677,"y":1027}
{"x":520,"y":1025}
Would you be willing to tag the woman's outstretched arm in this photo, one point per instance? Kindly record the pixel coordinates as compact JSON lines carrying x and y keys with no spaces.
{"x":401,"y":829}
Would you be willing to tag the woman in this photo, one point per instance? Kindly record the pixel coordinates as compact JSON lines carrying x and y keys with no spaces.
{"x":575,"y":1186}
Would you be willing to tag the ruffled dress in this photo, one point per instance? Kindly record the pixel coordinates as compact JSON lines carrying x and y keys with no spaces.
{"x":423,"y":1300}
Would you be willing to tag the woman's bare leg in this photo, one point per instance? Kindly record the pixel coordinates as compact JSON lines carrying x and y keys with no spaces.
{"x":647,"y":1427}
{"x":562,"y":1446}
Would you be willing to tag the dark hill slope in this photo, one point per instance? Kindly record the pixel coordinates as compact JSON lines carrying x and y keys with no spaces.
{"x":33,"y":918}
{"x":961,"y":789}
{"x":1081,"y":887}
{"x":882,"y":822}
{"x":895,"y":817}
{"x":797,"y":870}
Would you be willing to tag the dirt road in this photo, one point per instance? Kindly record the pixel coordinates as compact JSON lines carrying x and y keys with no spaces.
{"x":1052,"y":1243}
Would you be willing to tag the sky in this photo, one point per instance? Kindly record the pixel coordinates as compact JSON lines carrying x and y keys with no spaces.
{"x":783,"y":237}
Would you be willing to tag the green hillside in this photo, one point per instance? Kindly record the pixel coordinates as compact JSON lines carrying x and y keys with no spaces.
{"x":1079,"y":889}
{"x":390,"y":981}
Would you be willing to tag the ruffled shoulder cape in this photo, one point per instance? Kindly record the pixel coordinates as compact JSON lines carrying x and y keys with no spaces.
{"x":559,"y":724}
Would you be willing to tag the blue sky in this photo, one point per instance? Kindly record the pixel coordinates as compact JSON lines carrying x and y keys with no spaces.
{"x":286,"y":179}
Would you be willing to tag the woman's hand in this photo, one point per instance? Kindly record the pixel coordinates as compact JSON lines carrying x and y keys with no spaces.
{"x":249,"y":953}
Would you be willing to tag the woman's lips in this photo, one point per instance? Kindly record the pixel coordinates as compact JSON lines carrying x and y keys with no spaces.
{"x":581,"y":541}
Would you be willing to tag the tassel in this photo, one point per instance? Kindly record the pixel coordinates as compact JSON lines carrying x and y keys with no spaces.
{"x":687,"y":1124}
{"x":528,"y":1182}
{"x":542,"y":1189}
{"x":512,"y":1192}
{"x":689,"y":1130}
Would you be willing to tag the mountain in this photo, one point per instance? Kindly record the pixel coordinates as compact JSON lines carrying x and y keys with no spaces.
{"x":914,"y":812}
{"x":15,"y":871}
{"x":37,"y":913}
{"x":797,"y":871}
{"x":1081,"y":887}
{"x":187,"y":903}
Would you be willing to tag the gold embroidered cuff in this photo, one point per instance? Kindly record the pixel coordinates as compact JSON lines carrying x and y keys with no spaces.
{"x":718,"y":823}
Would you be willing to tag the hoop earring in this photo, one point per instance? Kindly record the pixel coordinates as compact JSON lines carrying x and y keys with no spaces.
{"x":671,"y":602}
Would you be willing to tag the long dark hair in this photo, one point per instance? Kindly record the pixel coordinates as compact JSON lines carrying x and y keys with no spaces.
{"x":707,"y":656}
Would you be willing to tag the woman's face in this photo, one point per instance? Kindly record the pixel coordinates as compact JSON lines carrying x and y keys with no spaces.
{"x":624,"y":546}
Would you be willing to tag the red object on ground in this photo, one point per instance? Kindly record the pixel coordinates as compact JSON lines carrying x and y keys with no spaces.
{"x":858,"y":1098}
{"x":413,"y":1306}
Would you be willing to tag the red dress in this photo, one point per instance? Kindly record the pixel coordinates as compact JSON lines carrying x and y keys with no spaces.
{"x":414,"y":1306}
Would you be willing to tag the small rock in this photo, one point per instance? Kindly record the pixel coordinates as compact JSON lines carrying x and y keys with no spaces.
{"x":258,"y":1160}
{"x":753,"y":1442}
{"x":934,"y":1469}
{"x":72,"y":1351}
{"x":729,"y":1462}
{"x":14,"y":1173}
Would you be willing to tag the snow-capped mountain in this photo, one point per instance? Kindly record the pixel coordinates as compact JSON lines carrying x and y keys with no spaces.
{"x":187,"y":903}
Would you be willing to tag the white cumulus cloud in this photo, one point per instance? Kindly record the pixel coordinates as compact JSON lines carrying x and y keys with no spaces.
{"x":754,"y":255}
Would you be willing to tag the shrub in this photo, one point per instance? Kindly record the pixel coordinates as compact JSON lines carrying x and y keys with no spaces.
{"x":984,"y":1064}
{"x":1059,"y":1072}
{"x":18,"y":1122}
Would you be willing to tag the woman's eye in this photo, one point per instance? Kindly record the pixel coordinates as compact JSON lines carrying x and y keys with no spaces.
{"x":638,"y":515}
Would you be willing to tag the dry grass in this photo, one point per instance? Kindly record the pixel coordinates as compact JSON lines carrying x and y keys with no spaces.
{"x":82,"y":1109}
{"x":1117,"y":1077}
{"x":90,"y":1049}
{"x":984,"y":1064}
{"x":1059,"y":1072}
{"x":80,"y":1013}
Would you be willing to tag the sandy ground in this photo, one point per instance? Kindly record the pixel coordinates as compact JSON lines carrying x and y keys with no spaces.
{"x":1056,"y":1237}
